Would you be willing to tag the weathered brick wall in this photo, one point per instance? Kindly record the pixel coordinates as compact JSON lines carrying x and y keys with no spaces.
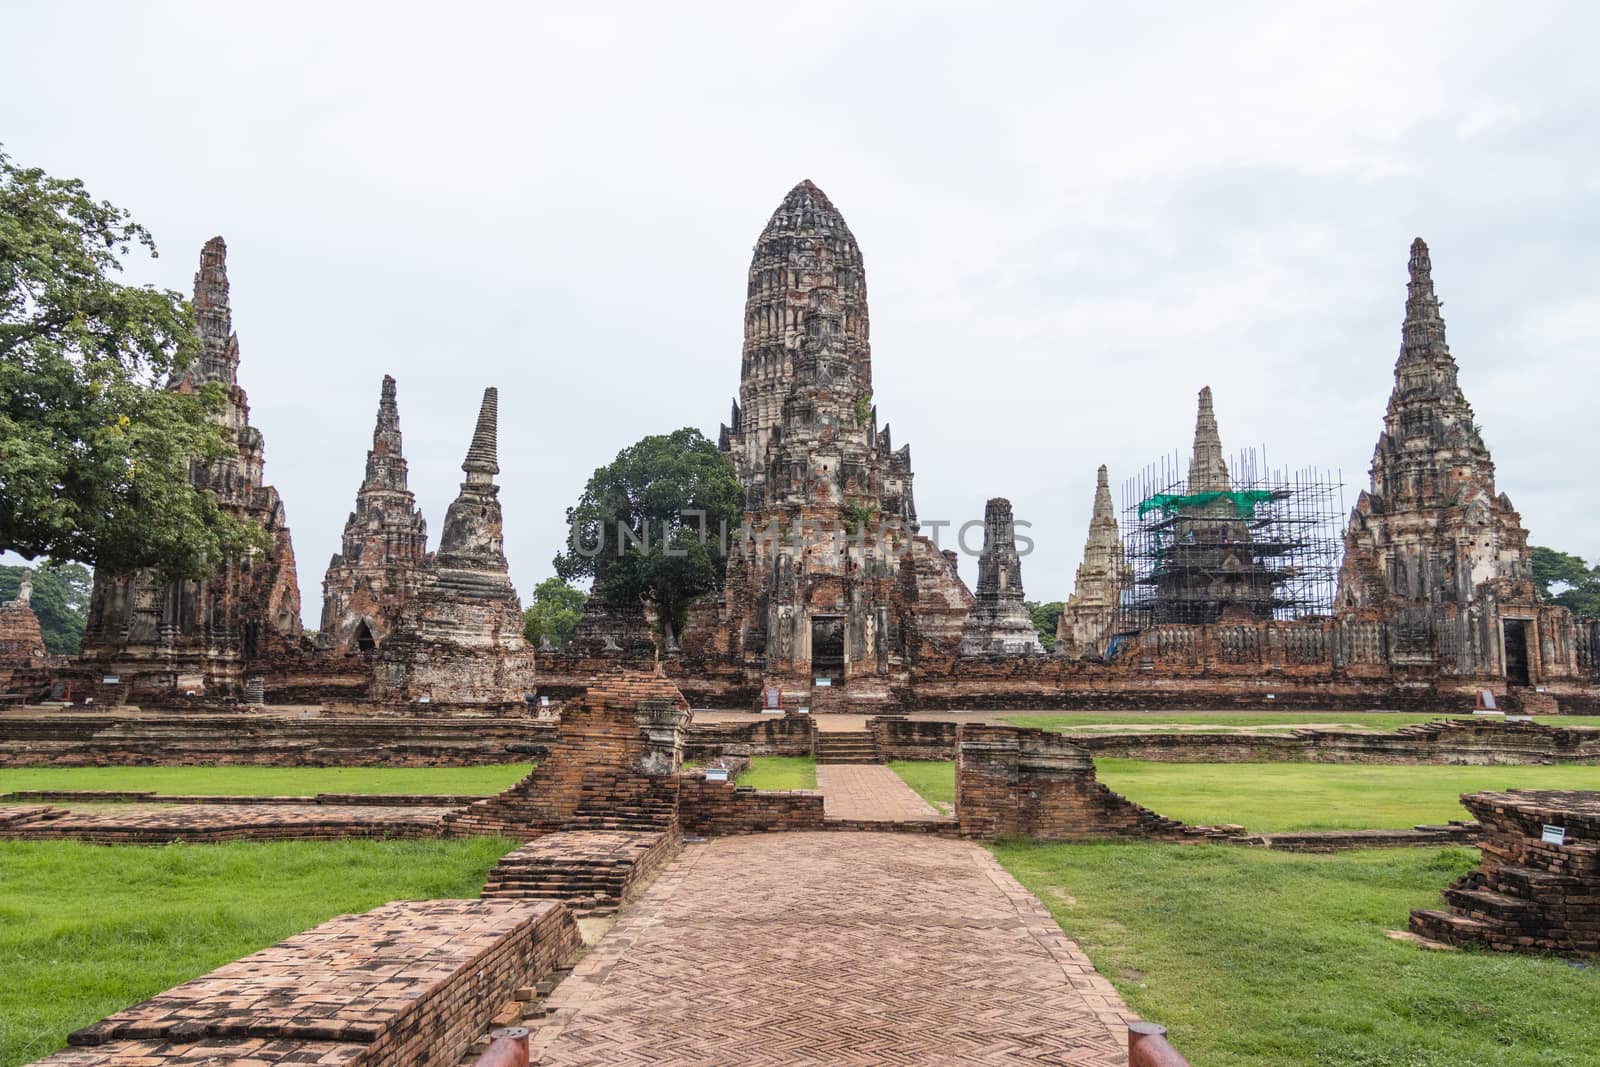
{"x":1528,"y":895}
{"x":775,"y":736}
{"x":901,"y":738}
{"x":409,"y":984}
{"x":1016,"y":782}
{"x":206,"y":736}
{"x":613,"y":765}
{"x":1470,"y":742}
{"x":714,"y":809}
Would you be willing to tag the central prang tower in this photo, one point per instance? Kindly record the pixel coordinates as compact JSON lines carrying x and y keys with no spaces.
{"x":829,"y":578}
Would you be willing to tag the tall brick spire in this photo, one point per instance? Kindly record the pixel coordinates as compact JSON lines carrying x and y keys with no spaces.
{"x":459,"y":639}
{"x":1422,"y":336}
{"x":472,"y":526}
{"x":1091,"y":610}
{"x":385,"y":544}
{"x":1433,"y":544}
{"x":804,"y":246}
{"x":218,"y":360}
{"x":1208,"y":471}
{"x":482,"y":462}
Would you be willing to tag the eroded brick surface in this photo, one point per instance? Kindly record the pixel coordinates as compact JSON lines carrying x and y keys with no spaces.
{"x":408,"y":983}
{"x":205,"y":823}
{"x":814,"y":948}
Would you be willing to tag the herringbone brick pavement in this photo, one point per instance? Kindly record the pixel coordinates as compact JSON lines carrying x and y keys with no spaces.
{"x":834,"y":948}
{"x":869,"y":791}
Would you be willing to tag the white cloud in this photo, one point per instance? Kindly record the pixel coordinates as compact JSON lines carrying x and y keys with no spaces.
{"x":1072,"y":218}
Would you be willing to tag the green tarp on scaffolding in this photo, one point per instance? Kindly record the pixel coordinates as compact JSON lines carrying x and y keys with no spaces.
{"x":1244,"y":501}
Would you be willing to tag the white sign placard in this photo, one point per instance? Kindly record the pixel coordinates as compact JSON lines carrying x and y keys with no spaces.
{"x":1555,"y":835}
{"x":716,"y":774}
{"x":822,"y":683}
{"x":110,"y":679}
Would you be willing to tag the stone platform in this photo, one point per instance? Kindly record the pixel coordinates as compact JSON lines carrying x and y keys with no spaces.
{"x":1529,"y":894}
{"x":808,"y":948}
{"x":410,"y":984}
{"x":243,"y":820}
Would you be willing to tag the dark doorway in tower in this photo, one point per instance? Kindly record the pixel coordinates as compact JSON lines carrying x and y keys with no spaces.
{"x":827,"y":646}
{"x":1516,"y":631}
{"x":363,"y":638}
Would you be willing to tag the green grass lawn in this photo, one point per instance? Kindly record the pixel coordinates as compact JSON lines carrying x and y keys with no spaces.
{"x":1292,"y":796}
{"x":780,"y":772}
{"x":934,"y":781}
{"x":1066,"y":722}
{"x":270,"y":781}
{"x":1254,"y":958}
{"x":86,"y":930}
{"x":1322,"y":796}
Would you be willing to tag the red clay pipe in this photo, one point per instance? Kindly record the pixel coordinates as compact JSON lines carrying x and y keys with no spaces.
{"x":507,"y":1048}
{"x":1148,"y":1047}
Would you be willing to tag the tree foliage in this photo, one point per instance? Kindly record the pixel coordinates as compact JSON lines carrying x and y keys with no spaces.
{"x":1044,"y":620}
{"x":1579,"y":583}
{"x":60,"y":600}
{"x":650,"y":524}
{"x":94,"y":451}
{"x":554,"y":613}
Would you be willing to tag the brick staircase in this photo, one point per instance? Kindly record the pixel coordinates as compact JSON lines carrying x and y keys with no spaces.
{"x":590,"y":870}
{"x":1528,"y":894}
{"x":852,"y":747}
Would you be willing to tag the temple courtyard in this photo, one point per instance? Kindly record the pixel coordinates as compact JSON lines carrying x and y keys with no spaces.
{"x":837,"y":947}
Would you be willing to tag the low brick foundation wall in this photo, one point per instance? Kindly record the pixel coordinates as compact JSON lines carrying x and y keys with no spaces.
{"x":912,"y":739}
{"x":198,"y":824}
{"x":1454,"y":833}
{"x":1017,"y":782}
{"x":410,"y":984}
{"x":61,"y":738}
{"x":775,"y":736}
{"x":715,"y":809}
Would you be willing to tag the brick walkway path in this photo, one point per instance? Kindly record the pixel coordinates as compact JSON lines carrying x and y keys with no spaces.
{"x":834,"y":948}
{"x":869,"y":791}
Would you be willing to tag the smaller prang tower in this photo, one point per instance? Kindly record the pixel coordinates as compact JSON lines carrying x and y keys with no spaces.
{"x":1432,"y":547}
{"x":1091,"y":611}
{"x":459,"y":639}
{"x":385,"y":546}
{"x":999,"y":623}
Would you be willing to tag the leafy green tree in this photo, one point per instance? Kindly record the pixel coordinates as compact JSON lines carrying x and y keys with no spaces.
{"x":1580,"y":582}
{"x":94,"y":451}
{"x":650,"y":524}
{"x":60,"y":599}
{"x":1044,"y":619}
{"x":554,"y":613}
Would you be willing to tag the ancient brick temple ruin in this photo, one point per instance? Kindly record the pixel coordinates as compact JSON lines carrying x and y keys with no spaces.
{"x":830,"y":579}
{"x":1090,"y":613}
{"x":1432,"y":549}
{"x":459,"y":639}
{"x":21,"y":641}
{"x":1208,"y":569}
{"x":385,"y":547}
{"x":159,"y":637}
{"x":998,"y":623}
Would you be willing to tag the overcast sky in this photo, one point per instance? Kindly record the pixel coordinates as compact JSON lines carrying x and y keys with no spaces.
{"x":1072,"y":220}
